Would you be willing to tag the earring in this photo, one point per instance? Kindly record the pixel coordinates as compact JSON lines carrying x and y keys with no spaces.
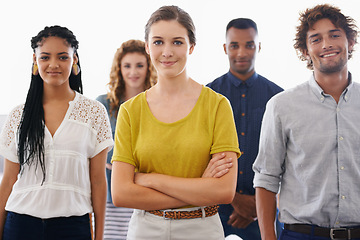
{"x":75,"y":69}
{"x":35,"y":69}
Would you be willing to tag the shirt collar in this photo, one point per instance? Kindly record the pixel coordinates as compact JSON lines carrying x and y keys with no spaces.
{"x":248,"y":82}
{"x":319,"y":92}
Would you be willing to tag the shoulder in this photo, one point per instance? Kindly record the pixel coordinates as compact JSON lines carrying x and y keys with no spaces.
{"x":218,"y":81}
{"x":87,"y":110}
{"x":291,"y":96}
{"x":135,"y":102}
{"x":14,"y":116}
{"x":273,"y":86}
{"x":213,"y":99}
{"x":102,"y":98}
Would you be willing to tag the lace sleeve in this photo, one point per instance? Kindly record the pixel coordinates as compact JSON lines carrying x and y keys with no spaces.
{"x":8,"y":147}
{"x":94,"y":114}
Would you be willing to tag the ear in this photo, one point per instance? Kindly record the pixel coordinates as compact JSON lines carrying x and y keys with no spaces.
{"x":305,"y":53}
{"x":224,"y":46}
{"x":351,"y":44}
{"x":76,"y":59}
{"x":259,"y":47}
{"x":191,"y":49}
{"x":34,"y":58}
{"x":147,"y":48}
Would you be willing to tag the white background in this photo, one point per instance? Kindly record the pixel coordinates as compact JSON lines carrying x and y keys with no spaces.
{"x":101,"y":26}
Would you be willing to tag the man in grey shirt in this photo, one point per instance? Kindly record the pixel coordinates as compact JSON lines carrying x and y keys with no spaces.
{"x":310,"y":139}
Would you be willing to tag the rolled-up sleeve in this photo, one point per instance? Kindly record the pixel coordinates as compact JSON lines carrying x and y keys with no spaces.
{"x":268,"y":166}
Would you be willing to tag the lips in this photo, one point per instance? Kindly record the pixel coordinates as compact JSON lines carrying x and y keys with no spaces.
{"x":329,"y":54}
{"x":167,"y":63}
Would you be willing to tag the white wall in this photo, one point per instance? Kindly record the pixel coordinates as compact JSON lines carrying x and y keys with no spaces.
{"x":101,"y":26}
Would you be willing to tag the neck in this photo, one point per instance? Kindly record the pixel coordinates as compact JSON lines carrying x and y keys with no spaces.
{"x":243,"y":76}
{"x":174,"y":85}
{"x":59,"y":93}
{"x":333,"y":83}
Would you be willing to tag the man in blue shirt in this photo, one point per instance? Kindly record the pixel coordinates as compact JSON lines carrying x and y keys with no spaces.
{"x":309,"y":144}
{"x":248,"y":93}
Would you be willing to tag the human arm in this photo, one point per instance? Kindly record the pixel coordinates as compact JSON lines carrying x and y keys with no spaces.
{"x":195,"y":191}
{"x":244,"y":210}
{"x":98,"y":191}
{"x":266,"y":212}
{"x":11,"y":171}
{"x":125,"y":192}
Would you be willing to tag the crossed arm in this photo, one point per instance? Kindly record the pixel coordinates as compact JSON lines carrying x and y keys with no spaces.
{"x":158,"y":191}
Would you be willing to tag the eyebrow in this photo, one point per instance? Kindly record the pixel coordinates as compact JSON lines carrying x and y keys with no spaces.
{"x":246,"y":42}
{"x":46,"y":53}
{"x":317,"y":34}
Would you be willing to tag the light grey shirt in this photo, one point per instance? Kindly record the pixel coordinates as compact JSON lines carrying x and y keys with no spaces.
{"x":311,"y":145}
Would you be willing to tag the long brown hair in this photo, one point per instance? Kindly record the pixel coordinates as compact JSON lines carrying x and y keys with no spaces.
{"x":117,"y":83}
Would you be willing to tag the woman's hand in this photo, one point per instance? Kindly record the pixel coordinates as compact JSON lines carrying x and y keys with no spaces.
{"x":218,"y":166}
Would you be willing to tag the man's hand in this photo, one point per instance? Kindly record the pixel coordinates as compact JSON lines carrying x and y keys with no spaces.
{"x":237,"y":221}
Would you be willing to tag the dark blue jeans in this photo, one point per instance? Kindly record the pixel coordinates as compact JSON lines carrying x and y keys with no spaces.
{"x":290,"y":235}
{"x":20,"y":227}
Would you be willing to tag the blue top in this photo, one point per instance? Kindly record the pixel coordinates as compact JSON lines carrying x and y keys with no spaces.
{"x":310,"y":144}
{"x":106,"y":102}
{"x":248,"y":100}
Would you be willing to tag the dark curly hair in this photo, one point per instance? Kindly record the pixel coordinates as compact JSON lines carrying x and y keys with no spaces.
{"x":310,"y":16}
{"x":32,"y":125}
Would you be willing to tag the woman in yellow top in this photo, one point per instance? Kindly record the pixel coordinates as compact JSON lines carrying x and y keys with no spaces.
{"x":165,"y":139}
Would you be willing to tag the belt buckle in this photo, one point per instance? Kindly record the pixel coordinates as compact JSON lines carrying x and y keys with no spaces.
{"x":334,"y":230}
{"x":164,"y":214}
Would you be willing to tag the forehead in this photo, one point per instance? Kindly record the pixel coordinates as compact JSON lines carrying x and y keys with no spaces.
{"x":168,"y":29}
{"x":321,"y":27}
{"x":133,"y":57}
{"x":241,"y":35}
{"x":54,"y":44}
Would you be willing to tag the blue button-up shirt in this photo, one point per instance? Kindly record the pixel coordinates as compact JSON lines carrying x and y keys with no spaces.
{"x":311,"y":145}
{"x":248,"y":100}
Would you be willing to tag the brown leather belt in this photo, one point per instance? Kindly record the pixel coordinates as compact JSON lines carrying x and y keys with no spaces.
{"x":171,"y":214}
{"x":332,"y":233}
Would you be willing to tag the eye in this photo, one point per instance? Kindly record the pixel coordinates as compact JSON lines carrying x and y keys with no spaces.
{"x":126,"y":66}
{"x":314,"y":40}
{"x":140,"y":65}
{"x":63,"y":57}
{"x":158,"y":42}
{"x":178,"y":43}
{"x":234,"y":46}
{"x":44,"y":58}
{"x":250,"y":46}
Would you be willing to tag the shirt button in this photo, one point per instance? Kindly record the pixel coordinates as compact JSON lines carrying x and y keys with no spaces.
{"x":341,"y":138}
{"x":242,"y":134}
{"x":338,"y":109}
{"x":243,"y":95}
{"x":241,"y":172}
{"x":240,"y":191}
{"x":342,"y":168}
{"x":243,"y":114}
{"x":343,"y":197}
{"x":242,"y":153}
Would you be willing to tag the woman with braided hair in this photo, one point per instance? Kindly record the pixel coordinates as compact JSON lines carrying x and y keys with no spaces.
{"x":55,"y":148}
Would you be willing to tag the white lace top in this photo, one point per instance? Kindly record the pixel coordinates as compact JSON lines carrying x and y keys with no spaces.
{"x":84,"y":132}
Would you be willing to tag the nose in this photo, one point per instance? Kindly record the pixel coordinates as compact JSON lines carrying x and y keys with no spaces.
{"x":327,"y":43}
{"x":53,"y":63}
{"x":167,"y":51}
{"x":241,"y":52}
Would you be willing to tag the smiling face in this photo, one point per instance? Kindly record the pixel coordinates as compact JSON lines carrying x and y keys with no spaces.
{"x":133,"y":70}
{"x":169,"y":47}
{"x":241,"y":47}
{"x":54,"y":57}
{"x":327,"y":47}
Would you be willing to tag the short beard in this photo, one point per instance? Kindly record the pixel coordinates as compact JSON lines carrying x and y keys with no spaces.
{"x":332,"y":69}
